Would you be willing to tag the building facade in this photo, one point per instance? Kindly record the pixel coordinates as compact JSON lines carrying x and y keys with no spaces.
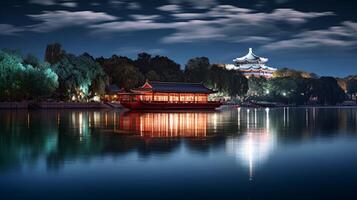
{"x":169,"y":95}
{"x":252,"y":65}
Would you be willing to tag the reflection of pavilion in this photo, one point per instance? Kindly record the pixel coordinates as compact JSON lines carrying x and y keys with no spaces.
{"x":254,"y":147}
{"x":175,"y":124}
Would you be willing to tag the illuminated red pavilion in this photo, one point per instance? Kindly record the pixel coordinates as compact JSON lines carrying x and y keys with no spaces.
{"x":169,"y":95}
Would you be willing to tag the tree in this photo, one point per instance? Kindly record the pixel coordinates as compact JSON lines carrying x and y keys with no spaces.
{"x":286,"y":72}
{"x":152,"y":76}
{"x":143,"y":62}
{"x":54,"y":53}
{"x":282,"y":89}
{"x":80,"y":77}
{"x":122,"y":72}
{"x":352,"y":87}
{"x":228,"y":82}
{"x":256,"y":86}
{"x":39,"y":83}
{"x":325,"y":90}
{"x":238,"y":85}
{"x":165,"y":68}
{"x":21,"y":81}
{"x":197,"y":69}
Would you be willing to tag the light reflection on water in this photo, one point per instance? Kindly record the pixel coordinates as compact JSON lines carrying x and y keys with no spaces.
{"x":255,"y":146}
{"x":233,"y":147}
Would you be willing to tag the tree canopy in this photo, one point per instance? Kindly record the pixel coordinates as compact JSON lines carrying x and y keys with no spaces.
{"x":230,"y":82}
{"x":80,"y":77}
{"x":25,"y":79}
{"x":197,"y":70}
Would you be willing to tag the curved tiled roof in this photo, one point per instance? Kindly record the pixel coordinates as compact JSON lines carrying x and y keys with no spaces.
{"x":250,"y":58}
{"x":175,"y":87}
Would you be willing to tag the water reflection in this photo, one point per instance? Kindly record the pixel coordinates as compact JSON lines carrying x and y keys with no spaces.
{"x":253,"y":147}
{"x":231,"y":154}
{"x":170,"y":124}
{"x":249,"y":135}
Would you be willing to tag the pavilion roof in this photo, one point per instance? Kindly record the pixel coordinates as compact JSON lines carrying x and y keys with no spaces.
{"x":174,"y":87}
{"x":250,"y":58}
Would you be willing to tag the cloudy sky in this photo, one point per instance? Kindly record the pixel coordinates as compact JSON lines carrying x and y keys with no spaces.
{"x":313,"y":35}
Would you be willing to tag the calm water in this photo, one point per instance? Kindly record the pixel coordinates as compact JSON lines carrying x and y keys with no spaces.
{"x":294,"y":153}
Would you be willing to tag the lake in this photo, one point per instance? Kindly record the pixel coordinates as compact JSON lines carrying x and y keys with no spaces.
{"x":233,"y":153}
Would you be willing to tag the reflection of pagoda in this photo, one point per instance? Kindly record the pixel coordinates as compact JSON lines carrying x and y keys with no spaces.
{"x":252,"y":65}
{"x":254,"y":147}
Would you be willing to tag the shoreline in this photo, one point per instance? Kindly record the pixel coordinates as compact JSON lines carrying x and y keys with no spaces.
{"x":24,"y":105}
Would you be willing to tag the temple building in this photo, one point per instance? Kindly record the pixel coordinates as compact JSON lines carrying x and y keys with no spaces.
{"x":251,"y":65}
{"x":169,"y":95}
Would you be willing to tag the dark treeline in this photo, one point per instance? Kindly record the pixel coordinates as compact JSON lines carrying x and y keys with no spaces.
{"x":82,"y":77}
{"x":67,"y":77}
{"x":296,"y":90}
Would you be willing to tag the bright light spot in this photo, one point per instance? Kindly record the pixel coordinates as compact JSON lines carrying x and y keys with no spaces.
{"x":96,"y":98}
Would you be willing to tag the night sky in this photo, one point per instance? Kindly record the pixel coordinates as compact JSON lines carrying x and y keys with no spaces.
{"x":313,"y":35}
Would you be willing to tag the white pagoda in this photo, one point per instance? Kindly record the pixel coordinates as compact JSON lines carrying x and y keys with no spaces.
{"x":252,"y":65}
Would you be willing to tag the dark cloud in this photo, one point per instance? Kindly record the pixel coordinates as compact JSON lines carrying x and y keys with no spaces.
{"x":343,"y":36}
{"x":65,"y":3}
{"x":53,"y":20}
{"x":218,"y":29}
{"x":220,"y":23}
{"x":8,"y":29}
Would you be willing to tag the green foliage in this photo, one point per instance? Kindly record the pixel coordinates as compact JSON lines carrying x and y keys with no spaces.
{"x":326,"y":90}
{"x":167,"y":69}
{"x":152,"y":76}
{"x":122,"y":72}
{"x":226,"y":81}
{"x":83,"y":77}
{"x":54,"y":53}
{"x":238,"y":85}
{"x":80,"y":77}
{"x":19,"y":80}
{"x":286,"y":72}
{"x":256,"y":86}
{"x":298,"y":90}
{"x":197,"y":70}
{"x":129,"y":77}
{"x":352,"y":86}
{"x":283,"y":86}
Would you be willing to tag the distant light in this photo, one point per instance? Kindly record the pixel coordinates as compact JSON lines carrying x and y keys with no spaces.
{"x":96,"y":98}
{"x":267,"y":91}
{"x":284,"y":93}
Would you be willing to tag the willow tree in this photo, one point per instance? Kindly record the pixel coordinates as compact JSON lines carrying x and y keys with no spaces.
{"x":122,"y":71}
{"x":326,"y":90}
{"x":80,"y":77}
{"x":164,"y":67}
{"x":197,"y":69}
{"x":228,"y":82}
{"x":20,"y":80}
